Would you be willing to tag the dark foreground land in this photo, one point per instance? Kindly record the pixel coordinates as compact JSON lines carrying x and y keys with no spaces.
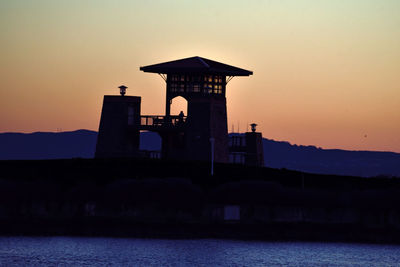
{"x":175,"y":199}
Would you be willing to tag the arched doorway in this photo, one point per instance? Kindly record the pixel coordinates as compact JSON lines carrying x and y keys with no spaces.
{"x":179,"y":104}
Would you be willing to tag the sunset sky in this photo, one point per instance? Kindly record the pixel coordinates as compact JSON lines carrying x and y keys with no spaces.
{"x":326,"y":73}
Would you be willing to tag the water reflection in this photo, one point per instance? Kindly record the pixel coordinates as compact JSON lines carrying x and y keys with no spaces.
{"x":67,"y":251}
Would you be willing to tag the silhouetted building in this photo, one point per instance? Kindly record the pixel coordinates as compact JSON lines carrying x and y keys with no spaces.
{"x":202,"y":82}
{"x":247,"y":149}
{"x":118,"y":116}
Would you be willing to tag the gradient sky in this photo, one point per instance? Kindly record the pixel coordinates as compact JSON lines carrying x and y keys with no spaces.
{"x":326,"y":73}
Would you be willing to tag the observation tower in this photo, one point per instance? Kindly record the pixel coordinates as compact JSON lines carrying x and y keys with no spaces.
{"x":201,"y":134}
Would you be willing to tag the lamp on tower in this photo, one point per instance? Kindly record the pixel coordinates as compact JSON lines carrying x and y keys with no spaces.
{"x":253,"y":127}
{"x":122,"y":90}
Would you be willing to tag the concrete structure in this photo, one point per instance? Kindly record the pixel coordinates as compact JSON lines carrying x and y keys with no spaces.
{"x":202,"y":82}
{"x":247,"y":149}
{"x":119,"y":116}
{"x":200,"y":135}
{"x":254,"y":148}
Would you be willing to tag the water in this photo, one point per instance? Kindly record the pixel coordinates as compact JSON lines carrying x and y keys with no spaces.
{"x":76,"y":251}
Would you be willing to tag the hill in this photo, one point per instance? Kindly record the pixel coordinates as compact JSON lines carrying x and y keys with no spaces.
{"x":278,"y":154}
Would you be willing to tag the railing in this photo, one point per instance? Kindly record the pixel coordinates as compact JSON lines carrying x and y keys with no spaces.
{"x":237,"y":157}
{"x":162,"y":121}
{"x":237,"y":141}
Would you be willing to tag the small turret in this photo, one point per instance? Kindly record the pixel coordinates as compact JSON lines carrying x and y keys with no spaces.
{"x":119,"y":134}
{"x":254,"y":147}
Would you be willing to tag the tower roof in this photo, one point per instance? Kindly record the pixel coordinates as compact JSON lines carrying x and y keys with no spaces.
{"x":196,"y":65}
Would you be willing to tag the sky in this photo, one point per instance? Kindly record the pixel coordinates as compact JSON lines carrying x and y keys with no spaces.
{"x":326,"y":73}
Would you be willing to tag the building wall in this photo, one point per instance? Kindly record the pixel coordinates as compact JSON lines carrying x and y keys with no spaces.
{"x":207,"y":118}
{"x":118,"y":136}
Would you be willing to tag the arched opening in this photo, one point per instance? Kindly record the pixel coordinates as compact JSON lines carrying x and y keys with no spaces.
{"x":179,"y":104}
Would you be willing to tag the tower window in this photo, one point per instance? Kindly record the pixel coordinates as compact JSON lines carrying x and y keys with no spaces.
{"x":208,"y":78}
{"x":174,"y":87}
{"x":217,"y":89}
{"x":196,"y":78}
{"x":174,"y":77}
{"x":131,"y":117}
{"x":195,"y":83}
{"x":208,"y":88}
{"x":196,"y":87}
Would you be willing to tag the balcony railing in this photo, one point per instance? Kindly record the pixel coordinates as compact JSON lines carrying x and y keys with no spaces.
{"x":237,"y":144}
{"x":237,"y":141}
{"x":159,"y":122}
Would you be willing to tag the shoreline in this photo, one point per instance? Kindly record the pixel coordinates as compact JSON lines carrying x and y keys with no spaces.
{"x":272,"y":232}
{"x":175,"y":199}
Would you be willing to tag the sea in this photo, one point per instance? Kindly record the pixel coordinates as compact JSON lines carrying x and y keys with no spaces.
{"x":88,"y":251}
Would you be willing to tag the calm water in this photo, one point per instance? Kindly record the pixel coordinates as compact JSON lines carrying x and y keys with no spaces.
{"x":75,"y":251}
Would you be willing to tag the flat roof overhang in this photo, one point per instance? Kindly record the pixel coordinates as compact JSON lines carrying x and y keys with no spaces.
{"x":196,"y":65}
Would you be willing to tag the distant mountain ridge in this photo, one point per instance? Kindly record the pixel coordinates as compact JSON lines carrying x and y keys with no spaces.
{"x":277,"y":154}
{"x":48,"y":145}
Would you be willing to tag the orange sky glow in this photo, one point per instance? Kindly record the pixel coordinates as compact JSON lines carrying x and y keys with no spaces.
{"x":326,"y":73}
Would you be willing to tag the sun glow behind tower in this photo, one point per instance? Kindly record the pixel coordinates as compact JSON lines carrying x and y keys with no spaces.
{"x":327,"y":71}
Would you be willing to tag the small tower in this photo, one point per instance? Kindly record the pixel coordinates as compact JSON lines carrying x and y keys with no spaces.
{"x":254,"y":147}
{"x":119,"y":126}
{"x":202,"y":82}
